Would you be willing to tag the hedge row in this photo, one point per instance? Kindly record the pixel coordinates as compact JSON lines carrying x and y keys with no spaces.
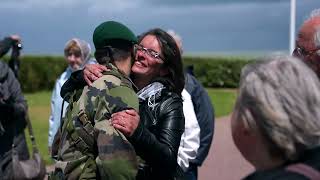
{"x":221,"y":72}
{"x":40,"y":72}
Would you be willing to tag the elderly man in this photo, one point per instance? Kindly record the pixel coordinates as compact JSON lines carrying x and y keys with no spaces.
{"x":276,"y":120}
{"x":308,"y":42}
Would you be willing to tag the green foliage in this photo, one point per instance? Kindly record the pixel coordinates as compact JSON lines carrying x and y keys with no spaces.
{"x":38,"y":73}
{"x":39,"y":111}
{"x":221,"y":72}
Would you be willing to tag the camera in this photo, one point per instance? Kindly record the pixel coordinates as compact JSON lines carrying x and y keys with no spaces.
{"x":18,"y":45}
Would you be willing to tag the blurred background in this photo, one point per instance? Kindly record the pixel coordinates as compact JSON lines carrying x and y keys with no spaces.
{"x":206,"y":26}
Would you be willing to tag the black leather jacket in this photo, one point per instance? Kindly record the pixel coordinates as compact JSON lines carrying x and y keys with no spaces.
{"x":157,"y":138}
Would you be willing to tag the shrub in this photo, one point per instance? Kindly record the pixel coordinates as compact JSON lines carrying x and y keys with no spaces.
{"x":217,"y":71}
{"x":40,"y":72}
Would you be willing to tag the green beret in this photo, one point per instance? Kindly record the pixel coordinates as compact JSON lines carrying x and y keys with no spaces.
{"x":111,"y":31}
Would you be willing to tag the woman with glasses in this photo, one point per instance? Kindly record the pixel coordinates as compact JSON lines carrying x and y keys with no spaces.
{"x":76,"y":53}
{"x":156,"y":131}
{"x":158,"y":74}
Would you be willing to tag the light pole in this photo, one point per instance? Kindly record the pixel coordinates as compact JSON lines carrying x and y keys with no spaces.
{"x":292,"y":25}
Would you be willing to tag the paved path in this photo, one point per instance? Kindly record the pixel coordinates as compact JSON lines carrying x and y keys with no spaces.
{"x":224,"y":161}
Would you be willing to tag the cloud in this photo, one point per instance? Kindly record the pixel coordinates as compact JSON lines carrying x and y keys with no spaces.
{"x":92,"y":6}
{"x":207,"y":25}
{"x":207,"y":2}
{"x":31,"y":4}
{"x":115,"y":5}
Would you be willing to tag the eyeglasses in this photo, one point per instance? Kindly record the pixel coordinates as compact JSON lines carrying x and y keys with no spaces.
{"x":150,"y":52}
{"x":301,"y":52}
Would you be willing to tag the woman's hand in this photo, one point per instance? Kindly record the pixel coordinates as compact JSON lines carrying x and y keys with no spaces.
{"x":92,"y":72}
{"x":126,"y":121}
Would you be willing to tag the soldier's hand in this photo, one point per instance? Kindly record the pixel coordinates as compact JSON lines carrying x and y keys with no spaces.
{"x":92,"y":72}
{"x":126,"y":121}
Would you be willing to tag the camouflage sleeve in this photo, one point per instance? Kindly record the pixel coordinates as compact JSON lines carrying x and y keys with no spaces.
{"x":116,"y":156}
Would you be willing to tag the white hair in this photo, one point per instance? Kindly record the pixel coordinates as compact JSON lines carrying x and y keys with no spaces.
{"x":177,"y":38}
{"x":280,"y":98}
{"x":314,"y":13}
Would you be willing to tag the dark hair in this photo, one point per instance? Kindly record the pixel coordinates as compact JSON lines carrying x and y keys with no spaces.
{"x":171,"y":57}
{"x":116,"y":51}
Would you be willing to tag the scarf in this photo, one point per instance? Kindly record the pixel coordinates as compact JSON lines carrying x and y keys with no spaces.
{"x":151,"y":93}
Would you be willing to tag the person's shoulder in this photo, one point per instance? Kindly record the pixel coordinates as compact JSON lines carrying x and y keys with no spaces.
{"x":113,"y":86}
{"x":192,"y":84}
{"x":170,"y":100}
{"x":107,"y":81}
{"x":166,"y":93}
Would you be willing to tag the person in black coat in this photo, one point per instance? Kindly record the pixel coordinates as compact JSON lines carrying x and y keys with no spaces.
{"x":13,"y":108}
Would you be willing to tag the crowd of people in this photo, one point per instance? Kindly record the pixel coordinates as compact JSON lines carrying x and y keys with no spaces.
{"x":132,"y":112}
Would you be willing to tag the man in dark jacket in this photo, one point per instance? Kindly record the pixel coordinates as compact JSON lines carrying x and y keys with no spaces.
{"x":13,"y":109}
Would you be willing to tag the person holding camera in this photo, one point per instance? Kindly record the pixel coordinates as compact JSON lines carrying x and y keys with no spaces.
{"x":13,"y":108}
{"x":13,"y":42}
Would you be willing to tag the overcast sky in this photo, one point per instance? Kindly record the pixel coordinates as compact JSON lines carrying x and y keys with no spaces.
{"x":205,"y":25}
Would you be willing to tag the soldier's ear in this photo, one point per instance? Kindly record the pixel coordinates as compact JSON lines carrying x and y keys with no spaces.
{"x":133,"y":55}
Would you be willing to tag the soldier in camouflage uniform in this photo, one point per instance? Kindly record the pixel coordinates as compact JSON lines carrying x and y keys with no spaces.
{"x":87,"y":146}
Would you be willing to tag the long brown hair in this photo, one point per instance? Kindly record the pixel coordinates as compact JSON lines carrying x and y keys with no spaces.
{"x":171,"y":57}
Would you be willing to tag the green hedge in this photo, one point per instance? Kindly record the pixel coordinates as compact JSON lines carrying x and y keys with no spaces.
{"x":40,"y":72}
{"x":217,"y":71}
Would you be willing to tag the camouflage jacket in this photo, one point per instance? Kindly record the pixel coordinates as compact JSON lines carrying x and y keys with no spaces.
{"x":89,"y":146}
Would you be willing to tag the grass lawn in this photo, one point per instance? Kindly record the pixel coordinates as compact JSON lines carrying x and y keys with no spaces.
{"x":222,"y":100}
{"x":39,"y":110}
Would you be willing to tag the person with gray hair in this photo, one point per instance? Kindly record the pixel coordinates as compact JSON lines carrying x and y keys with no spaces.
{"x":308,"y":42}
{"x":276,"y":120}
